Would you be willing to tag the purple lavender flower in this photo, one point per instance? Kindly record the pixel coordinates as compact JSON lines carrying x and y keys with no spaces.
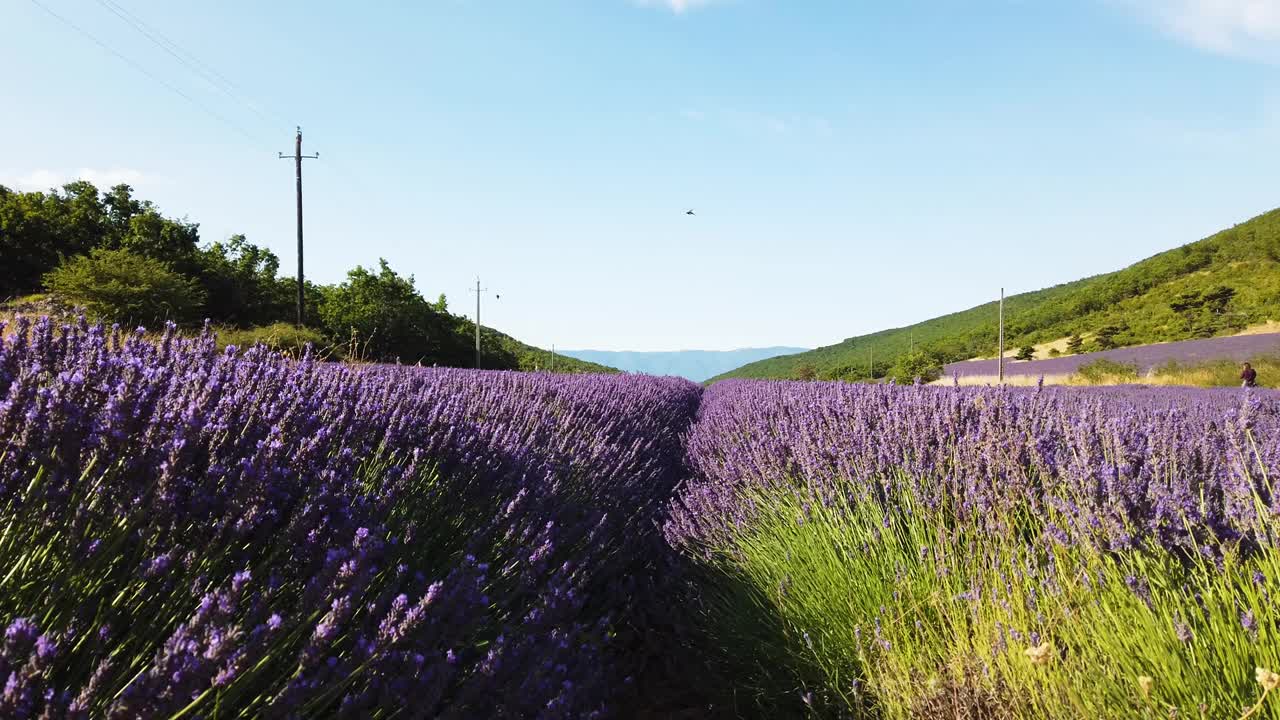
{"x":1249,"y":623}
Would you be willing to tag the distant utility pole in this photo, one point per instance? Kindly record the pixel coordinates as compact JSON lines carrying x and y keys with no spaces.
{"x":479,"y":291}
{"x":298,"y":157}
{"x":1000,"y":362}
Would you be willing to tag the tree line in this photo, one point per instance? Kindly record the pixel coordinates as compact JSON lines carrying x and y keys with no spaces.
{"x":119,"y":258}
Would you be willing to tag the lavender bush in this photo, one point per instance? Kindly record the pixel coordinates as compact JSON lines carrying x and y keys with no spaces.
{"x":192,"y":533}
{"x":963,"y":552}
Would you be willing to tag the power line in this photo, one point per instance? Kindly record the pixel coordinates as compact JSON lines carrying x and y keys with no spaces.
{"x":191,"y":62}
{"x":140,"y":68}
{"x":202,"y":69}
{"x":210,"y":75}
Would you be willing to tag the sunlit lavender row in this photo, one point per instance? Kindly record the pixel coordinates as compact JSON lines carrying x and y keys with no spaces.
{"x":194,"y":532}
{"x":1175,"y":467}
{"x":921,"y":552}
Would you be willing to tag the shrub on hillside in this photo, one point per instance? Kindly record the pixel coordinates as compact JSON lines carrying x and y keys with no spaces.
{"x":384,"y":316}
{"x":122,"y":286}
{"x":1107,"y":372}
{"x":1105,"y":337}
{"x":805,"y":372}
{"x":921,"y":364}
{"x":281,"y":337}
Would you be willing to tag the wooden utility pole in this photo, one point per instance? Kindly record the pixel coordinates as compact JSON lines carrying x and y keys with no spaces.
{"x":298,"y":157}
{"x":1000,"y":362}
{"x":479,"y":291}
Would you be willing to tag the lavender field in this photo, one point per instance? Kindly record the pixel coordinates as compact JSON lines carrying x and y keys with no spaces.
{"x":1239,"y":348}
{"x":193,"y":533}
{"x":963,"y":552}
{"x":190,"y":532}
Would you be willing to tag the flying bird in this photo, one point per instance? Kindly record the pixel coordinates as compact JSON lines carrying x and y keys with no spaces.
{"x":689,"y":213}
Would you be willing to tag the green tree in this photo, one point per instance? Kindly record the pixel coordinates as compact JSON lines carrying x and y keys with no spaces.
{"x":388,"y":319}
{"x":1075,"y":344}
{"x":1026,"y":352}
{"x":1105,"y":337}
{"x":123,"y":286}
{"x":1204,"y":314}
{"x":922,"y":364}
{"x":1217,"y":299}
{"x":38,"y":230}
{"x":1189,"y":306}
{"x":120,"y":208}
{"x":805,"y":372}
{"x":240,"y":279}
{"x":155,"y":236}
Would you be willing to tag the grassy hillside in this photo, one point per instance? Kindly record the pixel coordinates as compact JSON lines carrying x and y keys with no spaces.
{"x":1143,"y":303}
{"x":528,"y":358}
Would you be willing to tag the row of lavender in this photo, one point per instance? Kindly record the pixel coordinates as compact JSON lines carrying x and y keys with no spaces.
{"x":1143,"y":358}
{"x":978,"y":552}
{"x":184,"y":531}
{"x":1179,"y":468}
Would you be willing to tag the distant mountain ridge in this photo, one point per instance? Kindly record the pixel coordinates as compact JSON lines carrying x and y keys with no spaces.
{"x":1175,"y":295}
{"x":695,"y":365}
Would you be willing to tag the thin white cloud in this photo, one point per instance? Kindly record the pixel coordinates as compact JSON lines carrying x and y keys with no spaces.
{"x":676,"y":6}
{"x":44,"y":179}
{"x":1247,"y":28}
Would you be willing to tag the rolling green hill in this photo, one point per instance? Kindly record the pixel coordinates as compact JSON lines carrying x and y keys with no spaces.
{"x":1176,"y":295}
{"x":527,"y":358}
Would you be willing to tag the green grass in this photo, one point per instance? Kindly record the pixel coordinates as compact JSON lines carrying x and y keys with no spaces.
{"x":1136,"y":300}
{"x":281,"y":337}
{"x":1225,"y":373}
{"x":1106,"y":372}
{"x":1221,"y":373}
{"x":876,"y":616}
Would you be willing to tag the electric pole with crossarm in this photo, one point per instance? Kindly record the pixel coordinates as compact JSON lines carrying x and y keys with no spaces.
{"x":298,"y":157}
{"x":1000,"y":349}
{"x":479,"y":291}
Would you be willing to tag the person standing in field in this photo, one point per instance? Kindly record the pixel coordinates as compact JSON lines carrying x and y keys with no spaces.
{"x":1248,"y":376}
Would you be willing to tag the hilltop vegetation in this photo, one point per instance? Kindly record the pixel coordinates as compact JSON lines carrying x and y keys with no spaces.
{"x":1215,"y":286}
{"x":120,"y":259}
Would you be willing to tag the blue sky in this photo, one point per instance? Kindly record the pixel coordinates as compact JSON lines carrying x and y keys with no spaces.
{"x":853,"y":165}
